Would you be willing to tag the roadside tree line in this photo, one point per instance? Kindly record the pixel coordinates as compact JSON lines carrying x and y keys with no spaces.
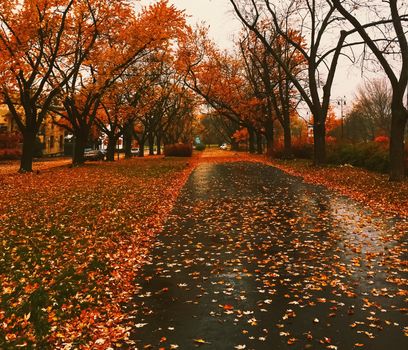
{"x":287,"y":55}
{"x":94,"y":64}
{"x":136,"y":74}
{"x":331,"y":29}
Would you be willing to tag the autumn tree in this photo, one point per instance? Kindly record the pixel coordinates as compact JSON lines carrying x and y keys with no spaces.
{"x":146,"y":119}
{"x":373,"y":103}
{"x":383,"y":28}
{"x":79,"y":100}
{"x":178,"y":122}
{"x":218,"y":129}
{"x":148,"y":87}
{"x":35,"y":38}
{"x":168,"y":95}
{"x":167,"y":120}
{"x":112,"y":117}
{"x":270,"y":82}
{"x":127,"y":40}
{"x":316,"y":22}
{"x":218,"y":77}
{"x":137,"y":86}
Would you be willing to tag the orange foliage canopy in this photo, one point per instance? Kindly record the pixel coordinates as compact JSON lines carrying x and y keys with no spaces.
{"x":217,"y":76}
{"x":241,"y":135}
{"x":73,"y":50}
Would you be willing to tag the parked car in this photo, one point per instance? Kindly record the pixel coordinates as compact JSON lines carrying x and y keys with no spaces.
{"x":224,"y":146}
{"x":94,"y":154}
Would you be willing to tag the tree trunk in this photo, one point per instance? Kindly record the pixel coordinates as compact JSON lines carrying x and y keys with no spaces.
{"x":158,"y":141}
{"x":110,"y":152}
{"x":397,"y":156}
{"x":319,"y":135}
{"x":151,"y":144}
{"x":127,"y":142}
{"x":26,"y":163}
{"x":79,"y":148}
{"x":287,"y":141}
{"x":251,"y":140}
{"x":141,"y":148}
{"x":234,"y":145}
{"x":269,"y":138}
{"x":259,"y":148}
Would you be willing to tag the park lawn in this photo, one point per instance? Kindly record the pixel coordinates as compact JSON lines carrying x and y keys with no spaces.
{"x":370,"y":188}
{"x":71,"y":242}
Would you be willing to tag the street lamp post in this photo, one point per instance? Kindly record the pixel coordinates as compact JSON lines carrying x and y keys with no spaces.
{"x":342,"y":102}
{"x":117,"y":145}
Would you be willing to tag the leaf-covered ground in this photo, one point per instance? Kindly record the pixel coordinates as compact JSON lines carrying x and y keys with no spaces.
{"x":368,"y":187}
{"x":248,"y":252}
{"x":252,"y":258}
{"x":71,"y":241}
{"x":12,"y":166}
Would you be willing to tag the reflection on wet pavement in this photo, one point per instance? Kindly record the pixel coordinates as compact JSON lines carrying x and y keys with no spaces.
{"x":252,"y":258}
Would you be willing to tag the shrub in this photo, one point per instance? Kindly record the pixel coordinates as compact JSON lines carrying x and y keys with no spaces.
{"x":9,"y":148}
{"x":299,"y":150}
{"x":382,"y":139}
{"x":303,"y":151}
{"x":9,"y":140}
{"x":200,"y":147}
{"x":10,"y":154}
{"x":370,"y":155}
{"x":330,"y":140}
{"x":178,"y":150}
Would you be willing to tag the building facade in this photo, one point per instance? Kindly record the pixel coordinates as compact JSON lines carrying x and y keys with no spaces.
{"x":50,"y":135}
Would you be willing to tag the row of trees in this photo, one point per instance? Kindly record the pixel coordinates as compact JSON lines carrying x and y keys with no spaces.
{"x":97,"y":63}
{"x":325,"y":31}
{"x":287,"y":54}
{"x":94,"y":63}
{"x":246,"y":89}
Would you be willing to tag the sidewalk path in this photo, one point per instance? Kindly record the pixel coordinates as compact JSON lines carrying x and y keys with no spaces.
{"x":252,"y":258}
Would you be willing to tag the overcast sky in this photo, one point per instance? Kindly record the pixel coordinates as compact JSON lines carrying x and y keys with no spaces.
{"x":218,"y":14}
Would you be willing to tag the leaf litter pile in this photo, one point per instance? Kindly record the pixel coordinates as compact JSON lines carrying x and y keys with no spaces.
{"x":252,"y":258}
{"x":71,"y":242}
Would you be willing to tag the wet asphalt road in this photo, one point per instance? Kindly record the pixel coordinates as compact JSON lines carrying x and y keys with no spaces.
{"x":252,"y":258}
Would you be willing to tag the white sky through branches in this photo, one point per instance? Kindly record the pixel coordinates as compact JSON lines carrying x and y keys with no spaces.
{"x":224,"y":26}
{"x":217,"y":14}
